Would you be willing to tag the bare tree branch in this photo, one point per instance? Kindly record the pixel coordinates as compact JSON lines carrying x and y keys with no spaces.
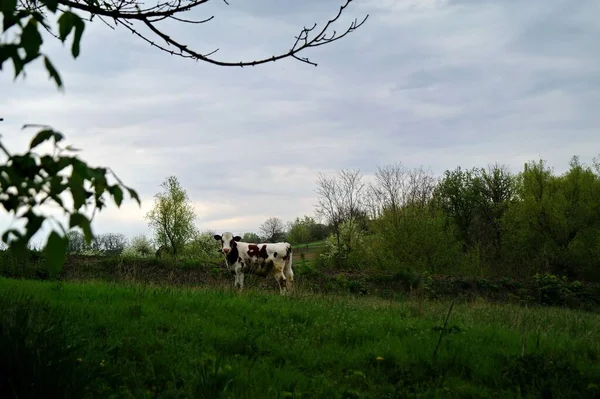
{"x":129,"y":12}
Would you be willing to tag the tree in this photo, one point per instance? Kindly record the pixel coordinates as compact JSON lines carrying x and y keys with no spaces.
{"x":272,"y":230}
{"x":112,"y":244}
{"x":396,"y":187}
{"x":301,"y":230}
{"x":172,"y":216}
{"x":141,"y":245}
{"x":458,"y":195}
{"x":204,"y":246}
{"x":251,"y":237}
{"x":340,"y":198}
{"x":77,"y":242}
{"x":30,"y":180}
{"x":555,"y":224}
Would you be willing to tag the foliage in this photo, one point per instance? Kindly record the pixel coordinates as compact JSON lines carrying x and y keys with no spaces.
{"x":29,"y":181}
{"x":172,"y":216}
{"x":302,"y":230}
{"x":109,"y":244}
{"x":140,"y":245}
{"x":351,"y":238}
{"x":340,"y":198}
{"x":77,"y":242}
{"x":143,"y":341}
{"x":251,"y":237}
{"x":555,"y":225}
{"x":416,"y":239}
{"x":203,"y":246}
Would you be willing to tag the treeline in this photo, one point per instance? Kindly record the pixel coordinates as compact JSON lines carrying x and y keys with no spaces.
{"x":481,"y":221}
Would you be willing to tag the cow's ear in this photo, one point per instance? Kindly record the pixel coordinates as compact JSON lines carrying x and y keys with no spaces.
{"x":217,"y":237}
{"x":237,"y":238}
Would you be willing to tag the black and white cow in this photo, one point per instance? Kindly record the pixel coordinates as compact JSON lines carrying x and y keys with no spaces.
{"x":262,"y":259}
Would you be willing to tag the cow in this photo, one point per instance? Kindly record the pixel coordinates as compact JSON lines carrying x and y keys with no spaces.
{"x":261,"y":259}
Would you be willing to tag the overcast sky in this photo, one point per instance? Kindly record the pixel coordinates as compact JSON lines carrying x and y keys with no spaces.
{"x":423,"y":82}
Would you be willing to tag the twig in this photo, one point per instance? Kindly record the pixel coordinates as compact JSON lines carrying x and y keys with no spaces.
{"x":125,"y":12}
{"x":443,"y":330}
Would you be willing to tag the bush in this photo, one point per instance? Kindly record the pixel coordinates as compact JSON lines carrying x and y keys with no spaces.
{"x":140,"y":245}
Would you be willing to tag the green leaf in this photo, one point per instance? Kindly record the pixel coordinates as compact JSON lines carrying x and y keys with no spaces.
{"x":39,"y":138}
{"x":66,"y":23}
{"x":31,"y":40}
{"x":99,"y":185}
{"x":10,"y":18}
{"x":55,"y":251}
{"x":80,"y":168}
{"x":78,"y":193}
{"x":134,"y":195}
{"x":52,"y":5}
{"x":34,"y":223}
{"x":79,"y":219}
{"x":52,"y":71}
{"x":17,"y":64}
{"x":117,"y":194}
{"x":79,"y":28}
{"x":8,"y":7}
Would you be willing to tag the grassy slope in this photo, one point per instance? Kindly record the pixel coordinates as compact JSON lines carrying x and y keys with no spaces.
{"x":140,"y":341}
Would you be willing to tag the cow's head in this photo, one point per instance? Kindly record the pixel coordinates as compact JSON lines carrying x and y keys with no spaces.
{"x":228,"y":241}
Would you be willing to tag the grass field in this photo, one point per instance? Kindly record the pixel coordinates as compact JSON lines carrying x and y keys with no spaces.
{"x":311,"y":244}
{"x":136,"y":341}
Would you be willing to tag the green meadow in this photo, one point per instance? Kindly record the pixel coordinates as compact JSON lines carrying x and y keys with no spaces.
{"x":117,"y":340}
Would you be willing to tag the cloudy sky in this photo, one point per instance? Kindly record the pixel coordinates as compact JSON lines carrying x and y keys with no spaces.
{"x":423,"y":82}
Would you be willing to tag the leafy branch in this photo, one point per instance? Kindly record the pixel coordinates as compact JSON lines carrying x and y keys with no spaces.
{"x":30,"y":180}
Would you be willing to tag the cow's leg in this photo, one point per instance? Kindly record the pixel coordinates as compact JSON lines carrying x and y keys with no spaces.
{"x":239,"y":278}
{"x":288,"y":272}
{"x":241,"y":281}
{"x":281,"y":280}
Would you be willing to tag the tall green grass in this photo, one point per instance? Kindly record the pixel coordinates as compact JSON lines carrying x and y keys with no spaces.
{"x":143,"y":341}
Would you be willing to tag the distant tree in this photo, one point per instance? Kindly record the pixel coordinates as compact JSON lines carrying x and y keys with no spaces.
{"x":141,"y":245}
{"x":77,"y":243}
{"x":251,"y":237}
{"x":320,"y":231}
{"x":555,"y":224}
{"x":112,"y":244}
{"x":341,"y":198}
{"x":301,"y":230}
{"x":458,"y":195}
{"x":203,"y":245}
{"x":172,"y":217}
{"x":272,"y":229}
